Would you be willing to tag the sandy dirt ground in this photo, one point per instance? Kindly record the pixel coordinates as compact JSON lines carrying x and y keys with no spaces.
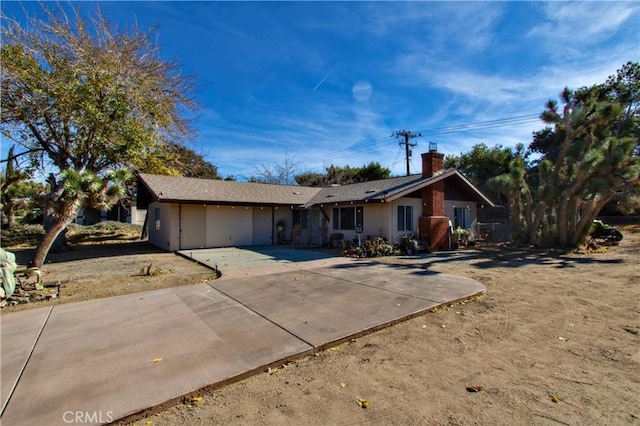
{"x":105,"y":270}
{"x":555,"y":340}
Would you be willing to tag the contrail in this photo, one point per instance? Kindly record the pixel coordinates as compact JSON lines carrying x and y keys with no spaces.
{"x":323,"y":79}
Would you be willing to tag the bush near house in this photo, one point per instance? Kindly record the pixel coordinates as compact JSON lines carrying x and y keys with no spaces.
{"x":378,"y":247}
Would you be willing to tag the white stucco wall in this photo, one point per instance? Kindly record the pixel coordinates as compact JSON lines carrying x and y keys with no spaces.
{"x":416,"y":204}
{"x":167,"y":236}
{"x":375,"y":221}
{"x":262,"y":226}
{"x":225,"y":226}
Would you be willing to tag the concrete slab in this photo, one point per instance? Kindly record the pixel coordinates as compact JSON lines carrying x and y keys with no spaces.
{"x":97,"y":357}
{"x":18,"y":333}
{"x":407,"y":280}
{"x":233,"y":258}
{"x":106,"y":359}
{"x":326,"y":305}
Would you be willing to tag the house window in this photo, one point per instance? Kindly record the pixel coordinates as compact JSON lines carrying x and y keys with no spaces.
{"x":300,"y":217}
{"x":461,"y":217}
{"x":157,"y":218}
{"x":347,"y":218}
{"x":405,"y":218}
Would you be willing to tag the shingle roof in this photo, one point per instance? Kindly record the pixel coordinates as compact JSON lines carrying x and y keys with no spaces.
{"x":171,"y":188}
{"x":376,"y":190}
{"x":195,"y":190}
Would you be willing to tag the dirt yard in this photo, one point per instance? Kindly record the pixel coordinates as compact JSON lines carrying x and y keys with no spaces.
{"x":555,"y":340}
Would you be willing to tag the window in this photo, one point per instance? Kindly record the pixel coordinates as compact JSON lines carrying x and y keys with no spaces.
{"x":157,"y":218}
{"x":300,"y":217}
{"x":347,"y":218}
{"x":461,"y":217}
{"x":405,"y":218}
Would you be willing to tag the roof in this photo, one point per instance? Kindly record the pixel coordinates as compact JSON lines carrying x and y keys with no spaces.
{"x":375,"y":190}
{"x":195,"y":190}
{"x":386,"y":190}
{"x":183,"y":189}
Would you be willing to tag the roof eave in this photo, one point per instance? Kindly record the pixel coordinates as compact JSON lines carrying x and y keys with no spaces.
{"x":421,"y":184}
{"x":228,"y":203}
{"x":476,"y":190}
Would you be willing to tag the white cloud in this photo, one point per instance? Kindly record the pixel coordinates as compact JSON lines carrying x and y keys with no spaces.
{"x":571,"y":26}
{"x":469,"y":25}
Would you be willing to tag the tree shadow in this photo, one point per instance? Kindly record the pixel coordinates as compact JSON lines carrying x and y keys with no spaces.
{"x":485,"y":259}
{"x":290,"y":253}
{"x":510,"y":258}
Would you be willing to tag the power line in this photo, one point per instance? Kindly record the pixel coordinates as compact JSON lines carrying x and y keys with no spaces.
{"x":355,"y":148}
{"x":434,"y":131}
{"x":395,"y":160}
{"x":501,"y":122}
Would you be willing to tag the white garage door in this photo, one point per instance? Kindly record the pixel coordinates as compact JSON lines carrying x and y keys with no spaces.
{"x":229,"y":226}
{"x":192,"y":226}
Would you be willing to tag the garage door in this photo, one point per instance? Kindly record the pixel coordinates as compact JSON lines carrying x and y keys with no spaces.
{"x":229,"y":226}
{"x":192,"y":226}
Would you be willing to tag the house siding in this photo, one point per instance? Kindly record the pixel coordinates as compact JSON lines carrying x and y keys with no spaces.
{"x":167,"y":236}
{"x":373,"y":215}
{"x":416,"y":204}
{"x":377,"y":222}
{"x":262,"y":226}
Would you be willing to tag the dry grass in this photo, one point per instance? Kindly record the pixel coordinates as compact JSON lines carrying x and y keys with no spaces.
{"x":26,"y":236}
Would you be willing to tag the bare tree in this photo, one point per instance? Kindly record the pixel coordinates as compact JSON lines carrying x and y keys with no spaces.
{"x":281,"y":174}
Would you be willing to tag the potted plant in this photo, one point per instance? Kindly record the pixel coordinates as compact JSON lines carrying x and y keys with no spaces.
{"x":462,"y":235}
{"x":408,"y":245}
{"x":343,"y":245}
{"x":280,"y":225}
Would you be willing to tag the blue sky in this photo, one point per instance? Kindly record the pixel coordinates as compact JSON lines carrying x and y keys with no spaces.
{"x":329,"y":82}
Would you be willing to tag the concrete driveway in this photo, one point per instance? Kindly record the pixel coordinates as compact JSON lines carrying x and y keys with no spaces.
{"x":98,"y":361}
{"x":233,"y":258}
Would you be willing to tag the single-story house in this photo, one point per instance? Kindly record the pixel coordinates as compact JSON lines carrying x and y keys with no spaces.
{"x":190,"y":213}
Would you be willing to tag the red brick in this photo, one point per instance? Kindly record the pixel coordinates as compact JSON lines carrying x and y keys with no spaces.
{"x":436,"y":231}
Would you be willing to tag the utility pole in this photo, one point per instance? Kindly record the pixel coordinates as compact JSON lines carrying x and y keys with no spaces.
{"x":407,"y":135}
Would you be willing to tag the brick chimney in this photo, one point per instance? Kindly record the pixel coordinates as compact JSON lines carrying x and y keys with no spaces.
{"x":432,"y":195}
{"x":432,"y":162}
{"x":433,"y":224}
